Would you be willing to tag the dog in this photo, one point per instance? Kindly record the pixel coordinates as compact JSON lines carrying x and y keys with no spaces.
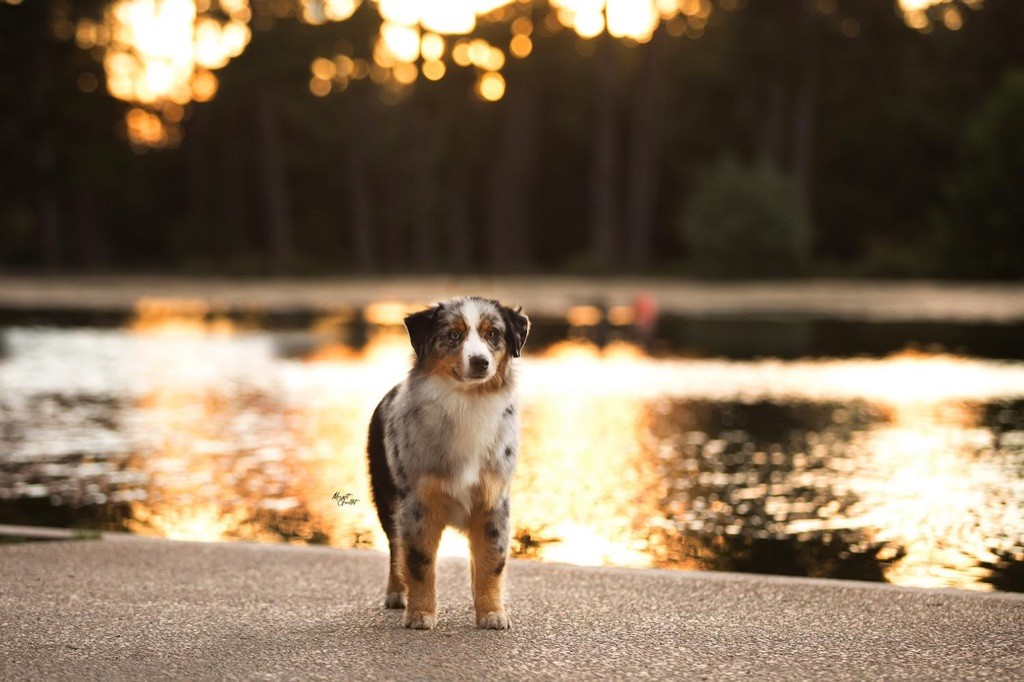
{"x":442,"y":450}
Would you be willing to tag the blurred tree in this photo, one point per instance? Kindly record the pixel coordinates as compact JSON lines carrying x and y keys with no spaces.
{"x":43,"y":153}
{"x":806,"y":104}
{"x":276,"y":200}
{"x":463,"y":151}
{"x":744,"y":222}
{"x":426,"y":186}
{"x":582,"y":160}
{"x":512,"y":173}
{"x":604,"y":199}
{"x":984,"y":193}
{"x":358,"y":182}
{"x":894,"y":103}
{"x":647,"y":116}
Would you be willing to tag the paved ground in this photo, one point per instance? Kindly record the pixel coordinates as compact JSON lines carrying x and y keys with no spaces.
{"x":849,"y":299}
{"x":134,"y":608}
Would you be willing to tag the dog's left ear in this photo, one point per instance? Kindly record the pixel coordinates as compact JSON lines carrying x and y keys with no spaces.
{"x":517,"y":327}
{"x":421,"y":326}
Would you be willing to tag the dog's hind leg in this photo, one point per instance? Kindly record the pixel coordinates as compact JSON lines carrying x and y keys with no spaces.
{"x":386,"y":499}
{"x":395,"y":598}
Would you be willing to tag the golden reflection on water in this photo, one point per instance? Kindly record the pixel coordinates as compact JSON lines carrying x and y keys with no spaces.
{"x":930,"y":484}
{"x":582,"y":482}
{"x":207,"y":483}
{"x":228,"y":461}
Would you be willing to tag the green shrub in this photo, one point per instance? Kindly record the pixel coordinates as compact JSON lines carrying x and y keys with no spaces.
{"x":895,"y":259}
{"x":982,"y":218}
{"x":747,"y":221}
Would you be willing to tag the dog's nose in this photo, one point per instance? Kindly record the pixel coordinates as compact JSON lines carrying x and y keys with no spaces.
{"x":479,"y":363}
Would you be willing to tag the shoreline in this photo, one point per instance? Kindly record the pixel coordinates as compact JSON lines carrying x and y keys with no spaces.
{"x":867,"y":300}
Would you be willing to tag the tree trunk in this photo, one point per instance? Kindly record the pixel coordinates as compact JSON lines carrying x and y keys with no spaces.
{"x":277,"y":218}
{"x":43,"y":169}
{"x":463,"y":142}
{"x":47,"y":223}
{"x":645,"y":143}
{"x":424,"y":239}
{"x":360,"y":184}
{"x":603,"y":202}
{"x":397,"y":177}
{"x":803,"y":155}
{"x":234,"y":240}
{"x":460,"y":215}
{"x":773,"y":134}
{"x":199,"y":239}
{"x":361,"y":217}
{"x":395,"y":235}
{"x":508,"y":233}
{"x":90,"y":244}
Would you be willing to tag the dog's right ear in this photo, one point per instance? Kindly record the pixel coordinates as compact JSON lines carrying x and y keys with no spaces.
{"x":421,"y":326}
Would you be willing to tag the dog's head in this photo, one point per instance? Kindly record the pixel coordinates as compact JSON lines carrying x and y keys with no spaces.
{"x":470,"y":341}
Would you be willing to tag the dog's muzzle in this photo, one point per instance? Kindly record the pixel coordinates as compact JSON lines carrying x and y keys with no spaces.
{"x":478,"y":367}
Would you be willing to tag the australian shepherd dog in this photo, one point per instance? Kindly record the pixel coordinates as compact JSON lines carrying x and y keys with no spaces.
{"x":442,"y":449}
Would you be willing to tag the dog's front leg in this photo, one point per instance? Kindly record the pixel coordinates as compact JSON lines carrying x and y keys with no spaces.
{"x":421,"y":533}
{"x":488,"y":541}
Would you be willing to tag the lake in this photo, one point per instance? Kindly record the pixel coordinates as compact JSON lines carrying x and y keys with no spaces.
{"x":787,"y":445}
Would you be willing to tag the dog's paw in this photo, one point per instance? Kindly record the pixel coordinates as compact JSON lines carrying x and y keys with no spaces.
{"x":494,"y":620}
{"x":394,"y":600}
{"x":420,"y":620}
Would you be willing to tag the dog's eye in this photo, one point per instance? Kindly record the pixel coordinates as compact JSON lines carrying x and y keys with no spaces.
{"x":455,"y":335}
{"x":493,"y":335}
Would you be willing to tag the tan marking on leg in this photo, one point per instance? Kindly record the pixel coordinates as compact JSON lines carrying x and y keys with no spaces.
{"x":420,"y":557}
{"x":488,"y":575}
{"x":488,"y":491}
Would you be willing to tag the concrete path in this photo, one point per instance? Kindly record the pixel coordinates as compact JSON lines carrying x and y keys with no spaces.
{"x":547,"y":296}
{"x":126,"y":607}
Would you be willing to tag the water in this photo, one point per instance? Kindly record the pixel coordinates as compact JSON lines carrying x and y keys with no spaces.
{"x":800,"y":447}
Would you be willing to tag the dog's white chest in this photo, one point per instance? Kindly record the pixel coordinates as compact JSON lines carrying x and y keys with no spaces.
{"x":474,"y":420}
{"x":476,"y":423}
{"x":475,"y":429}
